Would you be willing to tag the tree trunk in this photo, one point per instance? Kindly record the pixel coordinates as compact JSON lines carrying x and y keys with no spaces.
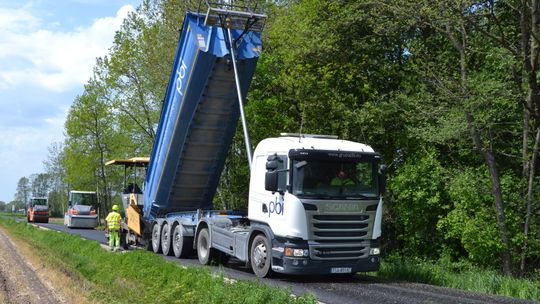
{"x":489,"y":157}
{"x":529,"y":200}
{"x":530,"y":54}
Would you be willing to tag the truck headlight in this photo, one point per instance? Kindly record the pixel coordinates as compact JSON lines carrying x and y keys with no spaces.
{"x":374,"y":251}
{"x":296,"y":252}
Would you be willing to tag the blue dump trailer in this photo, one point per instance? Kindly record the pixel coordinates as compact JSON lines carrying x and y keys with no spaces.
{"x":302,"y":217}
{"x":199,"y":117}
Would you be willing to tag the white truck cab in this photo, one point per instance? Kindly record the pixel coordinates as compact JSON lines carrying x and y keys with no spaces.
{"x":321,"y":198}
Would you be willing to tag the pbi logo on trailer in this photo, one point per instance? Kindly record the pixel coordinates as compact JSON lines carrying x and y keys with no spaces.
{"x":180,"y":74}
{"x":277,"y":207}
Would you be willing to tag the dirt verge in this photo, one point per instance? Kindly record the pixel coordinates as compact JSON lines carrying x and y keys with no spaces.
{"x":26,"y":279}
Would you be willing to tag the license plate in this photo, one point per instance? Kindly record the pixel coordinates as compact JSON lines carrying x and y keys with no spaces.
{"x":341,"y":270}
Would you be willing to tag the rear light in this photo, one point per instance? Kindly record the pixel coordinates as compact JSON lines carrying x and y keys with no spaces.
{"x":93,"y":211}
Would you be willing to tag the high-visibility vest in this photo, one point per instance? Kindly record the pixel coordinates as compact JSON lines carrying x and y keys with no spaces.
{"x":113,"y":221}
{"x":336,"y":181}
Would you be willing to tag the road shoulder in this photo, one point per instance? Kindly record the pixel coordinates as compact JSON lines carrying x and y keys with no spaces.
{"x":26,"y":278}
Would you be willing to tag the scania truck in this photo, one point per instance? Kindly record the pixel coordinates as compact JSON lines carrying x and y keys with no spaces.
{"x":315,"y":201}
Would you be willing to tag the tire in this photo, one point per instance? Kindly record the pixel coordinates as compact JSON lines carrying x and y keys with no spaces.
{"x":124,"y":239}
{"x":182,"y":245}
{"x":156,"y":239}
{"x":206,"y":254}
{"x":260,"y":256}
{"x":128,"y":239}
{"x":166,"y":247}
{"x":148,"y":245}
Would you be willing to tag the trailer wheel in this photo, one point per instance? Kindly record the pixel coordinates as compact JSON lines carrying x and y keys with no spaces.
{"x":182,"y":245}
{"x":156,"y":240}
{"x":166,"y":240}
{"x":124,"y":239}
{"x":127,"y":239}
{"x":260,"y":256}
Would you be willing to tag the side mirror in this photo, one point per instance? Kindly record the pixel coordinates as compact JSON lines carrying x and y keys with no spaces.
{"x":271,"y":165}
{"x":271,"y":181}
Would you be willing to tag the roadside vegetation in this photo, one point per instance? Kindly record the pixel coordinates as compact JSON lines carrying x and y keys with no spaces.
{"x":460,"y":275}
{"x":9,"y":214}
{"x":139,"y":276}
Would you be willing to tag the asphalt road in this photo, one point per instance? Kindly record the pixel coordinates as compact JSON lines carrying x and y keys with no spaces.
{"x":335,"y":289}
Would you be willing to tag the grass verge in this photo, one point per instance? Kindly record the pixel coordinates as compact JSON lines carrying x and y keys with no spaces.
{"x":12,"y":214}
{"x":460,"y":276}
{"x":140,"y":276}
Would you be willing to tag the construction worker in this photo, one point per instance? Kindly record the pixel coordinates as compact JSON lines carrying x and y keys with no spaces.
{"x":113,"y":227}
{"x":342,"y":179}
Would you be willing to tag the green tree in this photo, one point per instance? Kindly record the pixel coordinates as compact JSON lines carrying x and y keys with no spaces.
{"x":40,"y":184}
{"x":419,"y":201}
{"x":53,"y":164}
{"x":90,"y":138}
{"x":15,"y":206}
{"x":136,"y":72}
{"x":23,"y":191}
{"x":454,"y":75}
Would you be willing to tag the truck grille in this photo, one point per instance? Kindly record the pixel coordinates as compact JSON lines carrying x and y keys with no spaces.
{"x":340,"y":236}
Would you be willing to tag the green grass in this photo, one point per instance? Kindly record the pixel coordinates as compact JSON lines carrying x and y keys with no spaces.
{"x":461,"y":276}
{"x":12,"y":214}
{"x":140,"y":276}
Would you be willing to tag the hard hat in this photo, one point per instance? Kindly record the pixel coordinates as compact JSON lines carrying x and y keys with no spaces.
{"x":115,"y":207}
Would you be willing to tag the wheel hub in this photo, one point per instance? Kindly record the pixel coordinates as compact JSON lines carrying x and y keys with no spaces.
{"x":176,"y":240}
{"x":259,"y":255}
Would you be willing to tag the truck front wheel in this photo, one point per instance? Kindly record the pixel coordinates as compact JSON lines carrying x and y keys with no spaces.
{"x":156,"y":239}
{"x":260,"y":256}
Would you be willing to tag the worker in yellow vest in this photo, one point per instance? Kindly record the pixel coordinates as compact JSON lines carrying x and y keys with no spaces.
{"x":113,"y":228}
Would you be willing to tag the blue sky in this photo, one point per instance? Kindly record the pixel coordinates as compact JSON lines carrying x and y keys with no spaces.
{"x":47,"y":52}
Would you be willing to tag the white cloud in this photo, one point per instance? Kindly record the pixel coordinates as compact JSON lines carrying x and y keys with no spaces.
{"x":54,"y":60}
{"x":17,"y":19}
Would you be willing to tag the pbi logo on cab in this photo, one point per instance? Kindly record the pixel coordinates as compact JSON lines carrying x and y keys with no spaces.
{"x":277,"y":207}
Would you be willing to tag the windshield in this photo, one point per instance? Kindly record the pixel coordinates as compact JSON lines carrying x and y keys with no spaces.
{"x":335,"y":179}
{"x":39,"y":201}
{"x":88,"y":199}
